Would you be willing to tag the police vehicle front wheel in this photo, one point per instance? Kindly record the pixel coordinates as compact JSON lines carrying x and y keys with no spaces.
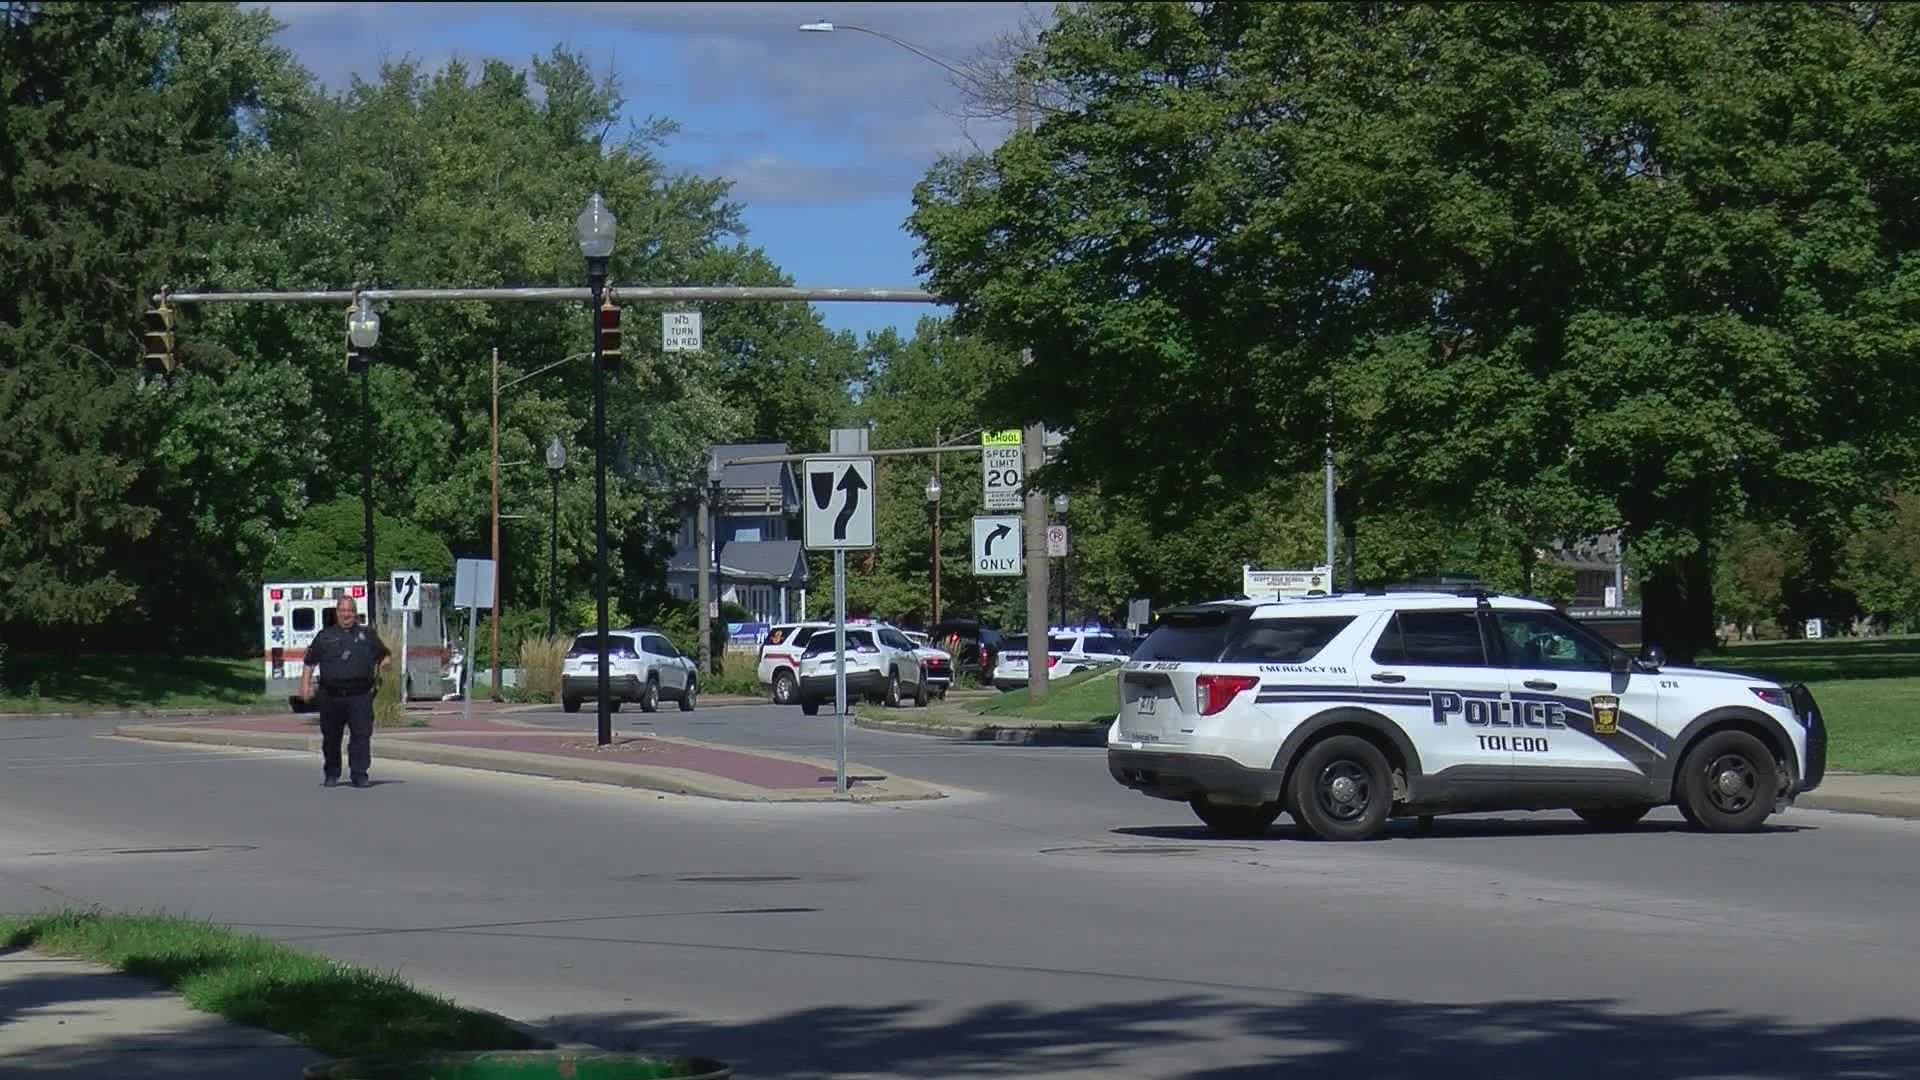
{"x":1343,"y":789}
{"x":1727,"y":783}
{"x":650,"y":696}
{"x":688,"y":699}
{"x":1236,"y":820}
{"x":570,"y":704}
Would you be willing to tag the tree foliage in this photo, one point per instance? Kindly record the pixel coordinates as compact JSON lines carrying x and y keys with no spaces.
{"x":1566,"y":266}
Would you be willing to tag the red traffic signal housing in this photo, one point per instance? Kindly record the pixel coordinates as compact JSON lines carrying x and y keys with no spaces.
{"x":609,"y":317}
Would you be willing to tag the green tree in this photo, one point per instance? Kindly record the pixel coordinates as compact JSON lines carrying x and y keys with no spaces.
{"x":327,"y":544}
{"x":1570,"y":265}
{"x":118,"y":123}
{"x":1881,"y":560}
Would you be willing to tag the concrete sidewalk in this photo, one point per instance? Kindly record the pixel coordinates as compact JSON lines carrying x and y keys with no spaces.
{"x":1866,"y":793}
{"x":71,"y":1020}
{"x":500,"y":744}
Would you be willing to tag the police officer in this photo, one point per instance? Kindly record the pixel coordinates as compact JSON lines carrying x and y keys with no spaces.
{"x":350,"y":657}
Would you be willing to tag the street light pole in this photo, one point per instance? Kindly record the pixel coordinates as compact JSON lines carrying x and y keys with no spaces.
{"x":595,"y":228}
{"x":933,"y":506}
{"x":556,"y":461}
{"x":363,"y":333}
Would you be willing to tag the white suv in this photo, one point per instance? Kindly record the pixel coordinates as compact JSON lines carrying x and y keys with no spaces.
{"x":780,"y":658}
{"x":1069,"y":649}
{"x":642,"y":666}
{"x":882,"y":666}
{"x":1347,"y":710}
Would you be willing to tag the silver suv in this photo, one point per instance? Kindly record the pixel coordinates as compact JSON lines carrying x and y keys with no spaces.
{"x":642,"y":666}
{"x":882,"y":666}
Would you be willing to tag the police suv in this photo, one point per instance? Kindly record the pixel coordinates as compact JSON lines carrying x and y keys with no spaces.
{"x":1346,"y":710}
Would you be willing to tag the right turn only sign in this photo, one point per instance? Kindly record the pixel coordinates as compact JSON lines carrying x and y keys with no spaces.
{"x":996,"y":545}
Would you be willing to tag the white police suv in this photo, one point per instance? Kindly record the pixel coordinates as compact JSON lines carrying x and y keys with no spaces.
{"x":1347,"y":710}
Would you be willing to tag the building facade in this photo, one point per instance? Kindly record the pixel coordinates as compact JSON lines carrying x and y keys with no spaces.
{"x":762,"y":563}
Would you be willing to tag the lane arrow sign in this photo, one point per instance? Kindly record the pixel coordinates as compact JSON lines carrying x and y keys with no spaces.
{"x":850,"y":483}
{"x":998,"y":532}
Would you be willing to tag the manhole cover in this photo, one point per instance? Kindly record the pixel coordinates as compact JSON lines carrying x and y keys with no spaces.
{"x":194,"y":849}
{"x":1150,"y":851}
{"x":747,"y":879}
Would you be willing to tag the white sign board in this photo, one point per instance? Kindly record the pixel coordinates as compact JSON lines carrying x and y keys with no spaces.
{"x":1612,"y":597}
{"x":1056,"y":541}
{"x":1274,"y":584}
{"x":1815,"y":629}
{"x":996,"y":546}
{"x":406,"y":591}
{"x":839,"y":497}
{"x":473,"y":583}
{"x":680,"y":331}
{"x":1000,"y":467}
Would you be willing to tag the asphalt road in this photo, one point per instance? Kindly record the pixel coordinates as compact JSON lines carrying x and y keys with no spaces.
{"x":1042,"y":922}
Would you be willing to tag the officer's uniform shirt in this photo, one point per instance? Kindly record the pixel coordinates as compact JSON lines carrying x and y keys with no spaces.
{"x":346,"y":658}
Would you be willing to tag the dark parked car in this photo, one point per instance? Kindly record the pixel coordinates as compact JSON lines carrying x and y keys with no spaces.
{"x":975,"y":646}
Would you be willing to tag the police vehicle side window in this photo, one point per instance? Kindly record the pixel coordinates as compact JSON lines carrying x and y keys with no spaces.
{"x":1285,"y":641}
{"x":1541,"y":639}
{"x":1432,"y":638}
{"x":302,"y":620}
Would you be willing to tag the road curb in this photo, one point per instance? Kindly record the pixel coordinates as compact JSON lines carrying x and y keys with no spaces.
{"x":995,"y":733}
{"x":621,"y":774}
{"x":1879,"y":806}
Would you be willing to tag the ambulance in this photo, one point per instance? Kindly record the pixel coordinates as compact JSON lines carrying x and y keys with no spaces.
{"x":292,"y":613}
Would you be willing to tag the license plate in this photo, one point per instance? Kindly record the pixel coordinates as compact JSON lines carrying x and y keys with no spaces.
{"x":1145,"y":705}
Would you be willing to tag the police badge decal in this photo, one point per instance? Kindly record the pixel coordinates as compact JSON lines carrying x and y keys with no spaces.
{"x":1606,"y":715}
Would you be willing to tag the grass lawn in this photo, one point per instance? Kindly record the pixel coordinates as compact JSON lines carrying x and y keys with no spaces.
{"x":1868,"y":689}
{"x":1088,"y":697}
{"x":338,"y":1010}
{"x":54,"y":683}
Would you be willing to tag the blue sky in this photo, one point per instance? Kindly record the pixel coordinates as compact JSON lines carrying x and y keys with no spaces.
{"x":823,"y":135}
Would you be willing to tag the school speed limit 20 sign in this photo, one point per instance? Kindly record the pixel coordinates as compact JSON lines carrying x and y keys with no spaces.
{"x":1001,"y":469}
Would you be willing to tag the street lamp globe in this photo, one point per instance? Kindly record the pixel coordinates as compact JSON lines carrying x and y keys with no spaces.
{"x":595,"y":228}
{"x":933,"y":490}
{"x":556,"y":454}
{"x":363,"y":324}
{"x":1061,"y":503}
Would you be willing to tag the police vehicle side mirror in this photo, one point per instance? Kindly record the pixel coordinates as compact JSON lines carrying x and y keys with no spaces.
{"x":1654,"y":657}
{"x":1621,"y":662}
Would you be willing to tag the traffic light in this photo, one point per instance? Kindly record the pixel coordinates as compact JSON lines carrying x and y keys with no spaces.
{"x":158,"y":337}
{"x":610,"y":335}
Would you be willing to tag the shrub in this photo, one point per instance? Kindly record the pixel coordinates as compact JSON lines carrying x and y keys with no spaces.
{"x":541,"y":659}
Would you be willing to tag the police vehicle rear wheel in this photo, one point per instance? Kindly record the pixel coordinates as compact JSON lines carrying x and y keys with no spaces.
{"x":1236,"y":820}
{"x":1613,"y":817}
{"x":920,"y":692}
{"x":687,"y":699}
{"x":784,"y":688}
{"x":570,"y":704}
{"x":1727,"y":783}
{"x":810,"y":708}
{"x":893,"y":690}
{"x":1343,"y":789}
{"x":650,"y":696}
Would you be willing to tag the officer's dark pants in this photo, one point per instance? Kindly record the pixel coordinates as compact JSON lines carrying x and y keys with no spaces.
{"x":350,"y":714}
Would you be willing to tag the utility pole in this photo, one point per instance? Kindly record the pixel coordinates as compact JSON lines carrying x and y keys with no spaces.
{"x":1034,"y":454}
{"x":494,"y":617}
{"x":1331,"y":573}
{"x":702,"y":526}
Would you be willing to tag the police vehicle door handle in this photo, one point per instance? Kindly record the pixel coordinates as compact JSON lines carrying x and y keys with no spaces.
{"x":1541,"y":684}
{"x":1386,"y":676}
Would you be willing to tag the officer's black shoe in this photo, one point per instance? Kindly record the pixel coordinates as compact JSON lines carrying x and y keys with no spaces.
{"x":361,"y":781}
{"x":331,"y":781}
